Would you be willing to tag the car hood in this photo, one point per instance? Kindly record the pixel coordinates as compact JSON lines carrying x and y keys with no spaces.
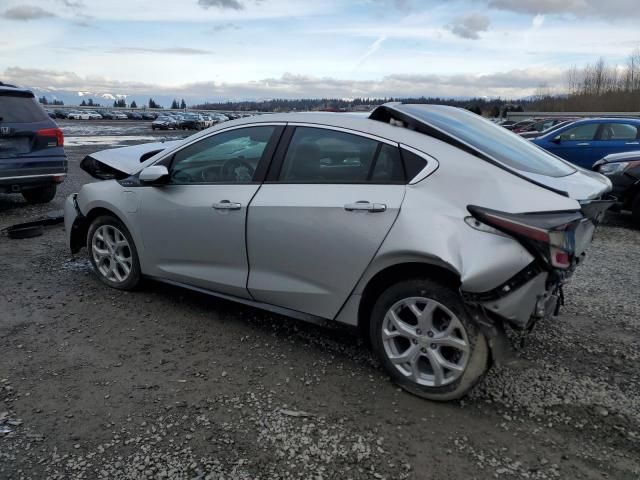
{"x":124,"y":161}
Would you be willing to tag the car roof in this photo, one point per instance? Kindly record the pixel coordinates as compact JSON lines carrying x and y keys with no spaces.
{"x":609,"y":120}
{"x":5,"y":87}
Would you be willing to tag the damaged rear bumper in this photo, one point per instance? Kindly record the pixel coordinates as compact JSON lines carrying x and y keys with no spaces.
{"x":531,"y":295}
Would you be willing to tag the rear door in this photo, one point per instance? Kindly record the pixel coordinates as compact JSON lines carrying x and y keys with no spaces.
{"x":329,"y":201}
{"x":617,"y":137}
{"x":28,"y":143}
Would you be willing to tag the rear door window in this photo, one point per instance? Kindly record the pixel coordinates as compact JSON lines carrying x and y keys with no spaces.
{"x":318,"y":155}
{"x":618,"y":131}
{"x":20,"y":109}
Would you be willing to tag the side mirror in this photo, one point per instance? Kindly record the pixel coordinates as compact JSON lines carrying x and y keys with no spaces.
{"x":154,"y":173}
{"x":556,"y":139}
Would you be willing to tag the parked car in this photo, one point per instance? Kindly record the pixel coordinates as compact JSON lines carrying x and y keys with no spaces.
{"x":60,"y":113}
{"x":50,"y":113}
{"x":192,"y":122}
{"x":164,"y":123}
{"x":541,"y":125}
{"x":430,"y":238}
{"x":118,"y":116}
{"x":518,"y":125}
{"x":108,"y":115}
{"x":536,"y":134}
{"x":149,"y":116}
{"x":585,"y":141}
{"x":623,"y":169}
{"x":78,"y":115}
{"x":94,"y":115}
{"x":32,"y":158}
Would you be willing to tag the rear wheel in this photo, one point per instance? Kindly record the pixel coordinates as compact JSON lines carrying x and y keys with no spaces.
{"x":425,"y":340}
{"x":40,"y":194}
{"x":113,"y":253}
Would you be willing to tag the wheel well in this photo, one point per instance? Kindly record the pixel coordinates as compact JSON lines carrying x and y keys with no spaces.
{"x":394,"y":274}
{"x":80,"y":229}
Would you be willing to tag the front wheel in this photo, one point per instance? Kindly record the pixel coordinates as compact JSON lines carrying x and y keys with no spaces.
{"x":425,"y":340}
{"x":113,"y":253}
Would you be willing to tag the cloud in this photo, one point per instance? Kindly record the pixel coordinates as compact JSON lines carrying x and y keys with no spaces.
{"x":73,"y":3}
{"x":230,"y":4}
{"x":537,"y":21}
{"x":470,"y":25}
{"x":610,"y":9}
{"x":510,"y":84}
{"x":25,"y":13}
{"x":168,"y":51}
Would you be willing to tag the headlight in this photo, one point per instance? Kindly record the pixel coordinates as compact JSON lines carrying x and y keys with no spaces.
{"x":613,"y":168}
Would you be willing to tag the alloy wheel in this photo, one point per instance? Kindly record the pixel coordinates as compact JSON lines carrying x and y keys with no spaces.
{"x":111,"y":253}
{"x":425,"y":341}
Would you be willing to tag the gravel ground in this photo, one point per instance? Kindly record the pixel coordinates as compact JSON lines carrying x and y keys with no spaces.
{"x":168,"y":383}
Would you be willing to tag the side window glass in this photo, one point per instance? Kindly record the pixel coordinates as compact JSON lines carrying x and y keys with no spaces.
{"x":580,"y":133}
{"x":619,"y":131}
{"x":228,"y":157}
{"x":317,"y":155}
{"x":413,"y":164}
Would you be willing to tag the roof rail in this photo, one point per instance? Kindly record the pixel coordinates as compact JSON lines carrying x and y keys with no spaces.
{"x":2,"y":84}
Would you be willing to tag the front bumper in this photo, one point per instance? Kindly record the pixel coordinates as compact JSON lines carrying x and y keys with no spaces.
{"x":74,"y":224}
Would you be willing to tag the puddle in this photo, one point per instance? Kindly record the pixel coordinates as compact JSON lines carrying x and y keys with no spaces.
{"x":117,"y":140}
{"x":80,"y":265}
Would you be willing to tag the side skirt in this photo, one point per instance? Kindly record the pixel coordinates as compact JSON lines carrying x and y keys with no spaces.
{"x":287,"y":312}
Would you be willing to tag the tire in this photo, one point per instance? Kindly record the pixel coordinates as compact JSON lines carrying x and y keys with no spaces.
{"x":466,"y":347}
{"x":40,"y":194}
{"x":635,"y":210}
{"x":110,"y":257}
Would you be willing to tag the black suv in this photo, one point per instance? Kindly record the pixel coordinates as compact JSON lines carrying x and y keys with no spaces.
{"x":32,"y":158}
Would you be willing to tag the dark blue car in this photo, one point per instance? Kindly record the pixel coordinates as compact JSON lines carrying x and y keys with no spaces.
{"x":32,"y":158}
{"x":585,"y":141}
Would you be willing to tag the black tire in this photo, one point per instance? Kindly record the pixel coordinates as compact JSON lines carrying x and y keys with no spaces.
{"x":635,"y":210}
{"x":40,"y":194}
{"x":478,"y":357}
{"x":133,"y":278}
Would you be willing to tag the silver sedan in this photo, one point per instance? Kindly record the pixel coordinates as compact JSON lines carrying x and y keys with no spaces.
{"x":429,"y":228}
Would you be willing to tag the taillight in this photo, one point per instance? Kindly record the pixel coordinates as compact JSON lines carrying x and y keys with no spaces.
{"x":53,"y":133}
{"x":555,"y":237}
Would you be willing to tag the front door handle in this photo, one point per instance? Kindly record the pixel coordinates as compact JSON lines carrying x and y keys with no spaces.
{"x":632,"y":143}
{"x":227,"y":205}
{"x":365,"y":206}
{"x":584,"y":144}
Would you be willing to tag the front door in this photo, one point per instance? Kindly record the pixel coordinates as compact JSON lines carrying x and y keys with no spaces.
{"x":193,"y":227}
{"x":578,"y":145}
{"x":314,"y":229}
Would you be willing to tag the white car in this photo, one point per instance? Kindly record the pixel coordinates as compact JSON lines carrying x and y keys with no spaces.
{"x":94,"y":116}
{"x":119,"y":116}
{"x":77,"y":115}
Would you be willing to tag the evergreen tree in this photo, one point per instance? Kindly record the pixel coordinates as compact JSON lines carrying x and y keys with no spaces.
{"x":183,"y":104}
{"x":134,"y":104}
{"x":115,"y":104}
{"x":83,"y":104}
{"x":174,"y":104}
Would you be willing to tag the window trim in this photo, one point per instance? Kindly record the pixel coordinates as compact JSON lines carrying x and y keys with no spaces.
{"x":432,"y":164}
{"x":263,"y":164}
{"x":273,"y":176}
{"x":603,"y":126}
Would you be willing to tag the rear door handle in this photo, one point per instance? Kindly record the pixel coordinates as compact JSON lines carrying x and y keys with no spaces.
{"x":632,"y":143}
{"x":365,"y":206}
{"x":584,"y":144}
{"x":227,"y":205}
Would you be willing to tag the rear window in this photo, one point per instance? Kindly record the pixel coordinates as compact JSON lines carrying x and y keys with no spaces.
{"x":20,"y":109}
{"x":490,"y":139}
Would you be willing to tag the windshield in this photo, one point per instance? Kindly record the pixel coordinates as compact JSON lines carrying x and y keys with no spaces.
{"x":494,"y":141}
